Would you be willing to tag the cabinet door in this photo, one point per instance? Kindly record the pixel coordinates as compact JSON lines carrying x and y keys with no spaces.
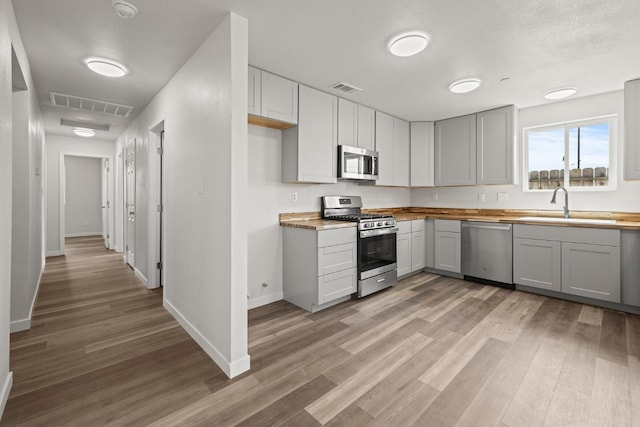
{"x":255,"y":91}
{"x":447,"y":248}
{"x":336,"y":258}
{"x":495,"y":146}
{"x":317,"y":136}
{"x":400,"y":153}
{"x":403,"y":248}
{"x":455,"y":151}
{"x":366,"y":128}
{"x":347,"y":123}
{"x":418,"y":256}
{"x":279,"y":98}
{"x":421,"y":154}
{"x":632,"y":130}
{"x":591,"y":271}
{"x":536,"y":263}
{"x":384,"y":147}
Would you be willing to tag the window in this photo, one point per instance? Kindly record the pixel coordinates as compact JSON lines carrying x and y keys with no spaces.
{"x":576,"y":154}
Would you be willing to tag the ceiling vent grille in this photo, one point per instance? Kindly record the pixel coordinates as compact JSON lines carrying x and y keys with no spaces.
{"x":87,"y":104}
{"x":345,"y":88}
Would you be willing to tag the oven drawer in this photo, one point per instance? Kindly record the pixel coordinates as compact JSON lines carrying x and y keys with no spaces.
{"x":336,"y":285}
{"x":336,"y":258}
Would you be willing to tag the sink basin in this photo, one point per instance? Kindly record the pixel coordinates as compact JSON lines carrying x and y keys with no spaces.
{"x":568,"y":220}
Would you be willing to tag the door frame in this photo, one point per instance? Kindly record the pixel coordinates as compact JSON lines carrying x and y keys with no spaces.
{"x":157,"y":197}
{"x":62,"y":192}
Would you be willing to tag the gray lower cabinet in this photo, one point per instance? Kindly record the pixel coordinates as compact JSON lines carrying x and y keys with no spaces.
{"x":591,"y":271}
{"x":319,"y":266}
{"x":577,"y":261}
{"x":411,"y":244}
{"x":536,"y":263}
{"x":448,"y":239}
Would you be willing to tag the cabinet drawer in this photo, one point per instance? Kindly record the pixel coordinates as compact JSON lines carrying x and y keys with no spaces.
{"x":336,"y":258}
{"x":336,"y":237}
{"x":417,"y":225}
{"x":447,"y":225}
{"x":404,"y":227}
{"x":336,"y":285}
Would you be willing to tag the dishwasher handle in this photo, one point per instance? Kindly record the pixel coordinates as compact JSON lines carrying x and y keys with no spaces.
{"x":486,"y":226}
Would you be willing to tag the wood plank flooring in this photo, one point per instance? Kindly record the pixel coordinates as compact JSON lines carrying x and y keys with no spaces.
{"x":433,"y":351}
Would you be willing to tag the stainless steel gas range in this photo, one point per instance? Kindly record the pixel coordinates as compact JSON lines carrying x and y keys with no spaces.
{"x":377,"y":256}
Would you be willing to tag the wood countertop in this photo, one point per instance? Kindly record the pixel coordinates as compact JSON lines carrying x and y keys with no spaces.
{"x":623,"y":220}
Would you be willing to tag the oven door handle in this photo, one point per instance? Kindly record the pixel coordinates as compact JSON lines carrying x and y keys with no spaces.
{"x":378,"y":232}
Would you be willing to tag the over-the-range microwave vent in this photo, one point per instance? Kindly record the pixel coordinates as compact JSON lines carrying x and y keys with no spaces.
{"x":345,"y":88}
{"x":88,"y":104}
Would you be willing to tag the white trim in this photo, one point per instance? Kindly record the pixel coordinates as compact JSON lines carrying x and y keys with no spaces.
{"x":231,"y":369}
{"x":4,"y":393}
{"x":264,"y":300}
{"x":141,"y":276}
{"x":84,"y":234}
{"x":20,"y":325}
{"x":54,"y":253}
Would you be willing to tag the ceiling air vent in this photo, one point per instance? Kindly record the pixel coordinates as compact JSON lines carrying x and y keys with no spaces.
{"x":87,"y":104}
{"x":345,"y":88}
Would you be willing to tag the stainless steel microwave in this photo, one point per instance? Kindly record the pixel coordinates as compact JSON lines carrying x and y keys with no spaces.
{"x":357,"y":164}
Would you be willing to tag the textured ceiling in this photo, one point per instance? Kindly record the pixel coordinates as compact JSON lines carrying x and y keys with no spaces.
{"x":538,"y":45}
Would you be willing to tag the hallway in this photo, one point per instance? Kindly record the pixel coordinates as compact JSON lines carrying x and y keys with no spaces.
{"x":101,"y":347}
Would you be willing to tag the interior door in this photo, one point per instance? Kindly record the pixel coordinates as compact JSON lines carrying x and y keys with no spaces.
{"x":105,"y":202}
{"x":130,"y":204}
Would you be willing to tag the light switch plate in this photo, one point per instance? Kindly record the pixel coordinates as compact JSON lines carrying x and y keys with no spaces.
{"x":482,"y":197}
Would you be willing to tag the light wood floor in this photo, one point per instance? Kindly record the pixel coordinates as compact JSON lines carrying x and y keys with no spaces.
{"x":433,"y":351}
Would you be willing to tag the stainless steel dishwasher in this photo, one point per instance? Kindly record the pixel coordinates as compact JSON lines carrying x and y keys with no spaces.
{"x":487,"y":252}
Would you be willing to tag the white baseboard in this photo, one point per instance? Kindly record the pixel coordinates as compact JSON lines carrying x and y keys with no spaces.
{"x":4,"y":392}
{"x":264,"y":300}
{"x":231,"y":369}
{"x":141,"y":276}
{"x":20,"y":325}
{"x":54,"y":253}
{"x":84,"y":234}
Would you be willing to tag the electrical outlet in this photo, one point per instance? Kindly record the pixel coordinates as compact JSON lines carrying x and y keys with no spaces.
{"x":482,"y":197}
{"x":503,"y":197}
{"x":294,"y":196}
{"x":434,"y":196}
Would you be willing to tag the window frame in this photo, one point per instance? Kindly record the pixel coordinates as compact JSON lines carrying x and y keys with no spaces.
{"x":611,"y":119}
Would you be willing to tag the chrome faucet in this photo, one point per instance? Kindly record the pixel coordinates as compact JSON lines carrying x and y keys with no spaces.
{"x":566,"y":199}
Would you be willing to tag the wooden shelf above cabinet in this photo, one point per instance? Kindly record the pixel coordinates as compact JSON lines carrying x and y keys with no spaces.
{"x":268,"y":123}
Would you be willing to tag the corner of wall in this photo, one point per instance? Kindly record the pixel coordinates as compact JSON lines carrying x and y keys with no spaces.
{"x":4,"y":392}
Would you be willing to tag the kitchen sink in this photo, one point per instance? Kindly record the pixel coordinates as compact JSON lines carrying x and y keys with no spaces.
{"x":567,"y":220}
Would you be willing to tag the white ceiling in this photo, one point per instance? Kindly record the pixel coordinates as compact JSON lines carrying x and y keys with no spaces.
{"x":539,"y":45}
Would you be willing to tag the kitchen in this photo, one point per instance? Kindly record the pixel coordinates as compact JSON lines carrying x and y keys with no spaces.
{"x":263,"y":262}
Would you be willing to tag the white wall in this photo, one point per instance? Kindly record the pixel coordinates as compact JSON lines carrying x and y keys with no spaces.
{"x":83,"y":213}
{"x":204,"y":110}
{"x":270,"y":197}
{"x":55,"y":147}
{"x":624,"y":198}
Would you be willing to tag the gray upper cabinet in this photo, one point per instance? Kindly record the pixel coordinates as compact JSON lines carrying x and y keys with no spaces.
{"x":356,"y":125}
{"x":384,"y":147}
{"x":495,"y":137}
{"x":632,"y":130}
{"x":455,"y":151}
{"x":422,"y":154}
{"x":401,"y":144}
{"x":255,"y":91}
{"x":309,"y":150}
{"x":279,"y":98}
{"x":366,"y":128}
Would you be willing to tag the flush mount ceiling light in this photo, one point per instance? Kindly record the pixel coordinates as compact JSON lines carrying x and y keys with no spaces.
{"x":106,"y":67}
{"x":408,"y":44}
{"x":560,"y":93}
{"x":124,"y":9}
{"x":465,"y":86}
{"x":84,"y":132}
